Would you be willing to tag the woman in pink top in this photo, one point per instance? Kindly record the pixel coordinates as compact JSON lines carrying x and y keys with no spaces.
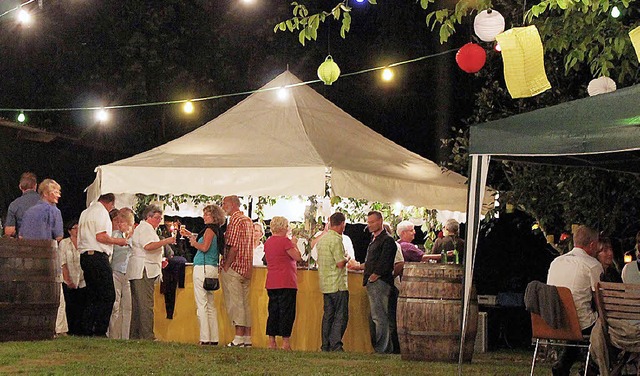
{"x":281,"y":254}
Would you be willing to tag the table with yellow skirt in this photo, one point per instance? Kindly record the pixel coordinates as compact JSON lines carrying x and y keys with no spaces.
{"x":307,"y":328}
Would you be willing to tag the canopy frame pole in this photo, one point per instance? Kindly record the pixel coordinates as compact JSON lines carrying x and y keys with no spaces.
{"x":479,"y":167}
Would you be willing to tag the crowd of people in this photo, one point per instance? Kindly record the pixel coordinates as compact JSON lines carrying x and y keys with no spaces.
{"x":109,"y":266}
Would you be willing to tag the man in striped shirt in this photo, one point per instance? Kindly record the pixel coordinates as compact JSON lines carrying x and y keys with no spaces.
{"x":236,"y":270}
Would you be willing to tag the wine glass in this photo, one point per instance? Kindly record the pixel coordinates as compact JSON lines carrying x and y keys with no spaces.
{"x":182,"y":227}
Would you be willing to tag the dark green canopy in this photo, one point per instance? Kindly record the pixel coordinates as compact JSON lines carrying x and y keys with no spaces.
{"x":602,"y":131}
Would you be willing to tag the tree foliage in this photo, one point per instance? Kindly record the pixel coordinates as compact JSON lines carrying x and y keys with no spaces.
{"x":581,"y":41}
{"x":582,"y":30}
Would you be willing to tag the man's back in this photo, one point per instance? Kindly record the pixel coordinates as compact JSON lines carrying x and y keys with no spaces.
{"x":42,"y":221}
{"x":579,"y":272}
{"x":239,"y":234}
{"x":330,"y":251}
{"x":19,"y":206}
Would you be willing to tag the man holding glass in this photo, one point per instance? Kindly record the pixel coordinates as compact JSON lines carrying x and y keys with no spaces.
{"x":95,"y":244}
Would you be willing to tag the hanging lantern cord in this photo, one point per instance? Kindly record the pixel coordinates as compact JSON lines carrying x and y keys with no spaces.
{"x":524,"y":12}
{"x":329,"y":39}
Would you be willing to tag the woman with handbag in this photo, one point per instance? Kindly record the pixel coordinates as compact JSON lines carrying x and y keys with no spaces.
{"x":205,"y":271}
{"x":281,"y":254}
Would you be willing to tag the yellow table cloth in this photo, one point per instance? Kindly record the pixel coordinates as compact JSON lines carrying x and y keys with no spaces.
{"x":306,"y":333}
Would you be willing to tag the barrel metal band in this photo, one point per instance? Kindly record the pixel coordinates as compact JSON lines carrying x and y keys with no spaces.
{"x":412,"y":278}
{"x":430,"y":334}
{"x":435,"y":301}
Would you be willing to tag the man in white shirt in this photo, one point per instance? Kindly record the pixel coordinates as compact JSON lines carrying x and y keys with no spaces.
{"x":144,"y":269}
{"x":96,"y":246}
{"x":578,"y":270}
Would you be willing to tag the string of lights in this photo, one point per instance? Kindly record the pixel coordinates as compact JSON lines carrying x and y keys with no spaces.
{"x":17,"y":8}
{"x":220,"y":96}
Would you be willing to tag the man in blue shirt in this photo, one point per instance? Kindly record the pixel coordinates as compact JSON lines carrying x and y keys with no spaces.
{"x":20,"y":205}
{"x":43,"y":221}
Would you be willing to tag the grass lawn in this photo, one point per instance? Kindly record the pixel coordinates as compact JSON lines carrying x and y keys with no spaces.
{"x":99,"y":357}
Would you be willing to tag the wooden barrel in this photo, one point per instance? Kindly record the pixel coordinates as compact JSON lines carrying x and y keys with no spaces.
{"x":29,"y":294}
{"x":429,"y":313}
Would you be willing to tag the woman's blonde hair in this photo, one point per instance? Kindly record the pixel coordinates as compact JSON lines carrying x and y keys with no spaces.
{"x":216,"y":212}
{"x":126,"y":215}
{"x":279,"y":224}
{"x":48,"y":185}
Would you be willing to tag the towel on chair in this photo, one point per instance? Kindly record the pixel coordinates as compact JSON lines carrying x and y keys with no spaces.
{"x":544,"y":300}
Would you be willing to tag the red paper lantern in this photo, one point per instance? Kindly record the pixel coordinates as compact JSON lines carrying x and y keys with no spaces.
{"x":471,"y":57}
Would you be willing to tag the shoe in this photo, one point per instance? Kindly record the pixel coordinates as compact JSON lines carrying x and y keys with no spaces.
{"x":232,"y":344}
{"x":204,"y":343}
{"x":213,"y":343}
{"x":246,"y":345}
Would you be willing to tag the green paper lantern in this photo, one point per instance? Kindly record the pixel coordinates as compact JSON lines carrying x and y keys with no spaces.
{"x":328,"y":71}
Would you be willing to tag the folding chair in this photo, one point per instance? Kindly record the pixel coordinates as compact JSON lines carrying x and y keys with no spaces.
{"x":618,"y":301}
{"x":543,"y":333}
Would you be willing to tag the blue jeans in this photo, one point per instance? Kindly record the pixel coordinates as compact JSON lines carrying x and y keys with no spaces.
{"x":378,"y":293}
{"x":334,"y":320}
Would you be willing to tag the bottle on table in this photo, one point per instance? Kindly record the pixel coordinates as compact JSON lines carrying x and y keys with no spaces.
{"x":443,"y":256}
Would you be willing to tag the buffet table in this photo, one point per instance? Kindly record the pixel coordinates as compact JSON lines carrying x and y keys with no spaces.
{"x":306,"y":333}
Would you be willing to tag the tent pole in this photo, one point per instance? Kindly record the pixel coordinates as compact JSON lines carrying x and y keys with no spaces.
{"x":477,"y":181}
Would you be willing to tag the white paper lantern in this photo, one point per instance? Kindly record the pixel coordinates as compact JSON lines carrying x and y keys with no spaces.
{"x":488,"y":24}
{"x":601,"y":85}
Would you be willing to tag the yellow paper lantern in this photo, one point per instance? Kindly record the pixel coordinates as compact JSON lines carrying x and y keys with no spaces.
{"x":523,"y":61}
{"x":635,"y":40}
{"x":328,"y":71}
{"x":487,"y":24}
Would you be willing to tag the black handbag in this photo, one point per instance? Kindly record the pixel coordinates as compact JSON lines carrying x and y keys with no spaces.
{"x":210,"y":284}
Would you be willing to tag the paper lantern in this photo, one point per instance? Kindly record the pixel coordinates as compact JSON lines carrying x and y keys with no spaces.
{"x":471,"y":57}
{"x":328,"y":71}
{"x":523,"y":61}
{"x":635,"y":40}
{"x":601,"y":85}
{"x":488,"y":24}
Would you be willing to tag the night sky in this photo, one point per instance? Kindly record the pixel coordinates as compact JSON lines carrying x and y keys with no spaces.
{"x":81,"y":54}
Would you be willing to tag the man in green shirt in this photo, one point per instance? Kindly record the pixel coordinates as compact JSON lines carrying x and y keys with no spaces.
{"x":332,"y":262}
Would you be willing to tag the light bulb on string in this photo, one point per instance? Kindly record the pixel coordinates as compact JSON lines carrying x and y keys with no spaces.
{"x":21,"y":118}
{"x":387,"y":74}
{"x":497,"y":47}
{"x":24,"y":17}
{"x":615,"y":12}
{"x":101,"y":115}
{"x":360,"y":1}
{"x":188,"y":107}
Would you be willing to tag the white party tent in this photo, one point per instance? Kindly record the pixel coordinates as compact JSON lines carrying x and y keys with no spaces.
{"x":285,"y":142}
